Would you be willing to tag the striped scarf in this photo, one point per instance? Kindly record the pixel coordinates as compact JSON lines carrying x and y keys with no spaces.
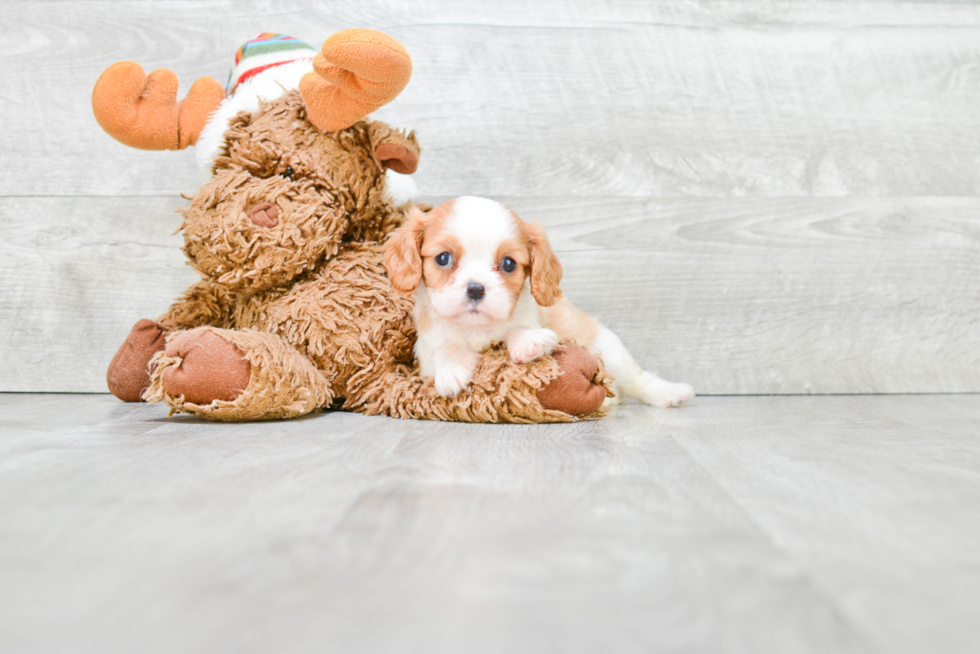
{"x":266,"y":51}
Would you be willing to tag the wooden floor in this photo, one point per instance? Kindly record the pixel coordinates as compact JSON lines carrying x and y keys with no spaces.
{"x":752,"y":524}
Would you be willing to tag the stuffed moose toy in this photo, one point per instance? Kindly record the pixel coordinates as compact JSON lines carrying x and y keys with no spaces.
{"x":294,"y":311}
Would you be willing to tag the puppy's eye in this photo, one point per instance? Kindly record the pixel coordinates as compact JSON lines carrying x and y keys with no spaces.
{"x":444,"y":259}
{"x":288,"y":173}
{"x":508,"y":265}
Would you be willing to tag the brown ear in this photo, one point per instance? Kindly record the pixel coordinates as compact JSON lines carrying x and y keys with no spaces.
{"x":394,"y":149}
{"x":397,"y":157}
{"x":401,"y":253}
{"x":545,"y":268}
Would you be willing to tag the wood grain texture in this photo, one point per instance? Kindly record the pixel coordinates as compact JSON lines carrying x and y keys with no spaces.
{"x":853,"y":295}
{"x":76,"y":279}
{"x":902,"y":485}
{"x":783,"y":525}
{"x":850,"y":295}
{"x":760,"y":197}
{"x":558,"y":98}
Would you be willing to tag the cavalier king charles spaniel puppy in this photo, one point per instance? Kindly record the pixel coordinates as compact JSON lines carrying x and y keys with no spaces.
{"x":480,"y":274}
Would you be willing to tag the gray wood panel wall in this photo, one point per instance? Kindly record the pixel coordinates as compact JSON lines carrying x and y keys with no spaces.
{"x":759,"y":197}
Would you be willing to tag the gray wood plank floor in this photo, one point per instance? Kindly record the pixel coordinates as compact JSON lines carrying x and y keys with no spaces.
{"x":760,"y":197}
{"x":754,"y":524}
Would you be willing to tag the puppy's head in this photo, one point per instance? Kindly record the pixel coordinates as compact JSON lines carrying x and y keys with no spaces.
{"x":474,"y":257}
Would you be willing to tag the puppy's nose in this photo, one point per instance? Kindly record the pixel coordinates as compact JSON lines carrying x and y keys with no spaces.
{"x":475,"y":291}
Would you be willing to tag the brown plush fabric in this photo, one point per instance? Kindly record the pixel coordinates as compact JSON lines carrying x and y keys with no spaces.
{"x":210,"y":368}
{"x":315,"y":286}
{"x":338,"y":170}
{"x":129,"y":374}
{"x":295,"y":311}
{"x":201,"y":304}
{"x":575,"y":390}
{"x":224,"y":244}
{"x":345,"y":319}
{"x":398,"y":158}
{"x":282,"y":384}
{"x":501,"y":391}
{"x":142,"y":111}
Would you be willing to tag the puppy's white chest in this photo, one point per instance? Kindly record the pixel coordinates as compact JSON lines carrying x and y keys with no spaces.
{"x":478,"y":340}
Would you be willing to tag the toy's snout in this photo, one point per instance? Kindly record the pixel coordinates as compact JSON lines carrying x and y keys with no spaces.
{"x":264,"y":214}
{"x":249,"y":234}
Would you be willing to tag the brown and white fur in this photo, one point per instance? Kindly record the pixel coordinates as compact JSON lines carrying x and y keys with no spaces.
{"x":474,"y":296}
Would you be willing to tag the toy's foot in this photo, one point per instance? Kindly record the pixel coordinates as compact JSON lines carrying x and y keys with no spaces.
{"x":210,"y":368}
{"x":574,"y":391}
{"x":129,"y":374}
{"x":224,"y":374}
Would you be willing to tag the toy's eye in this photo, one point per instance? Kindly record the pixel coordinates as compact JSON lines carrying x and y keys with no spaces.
{"x":444,"y":259}
{"x":288,"y":173}
{"x":508,"y":265}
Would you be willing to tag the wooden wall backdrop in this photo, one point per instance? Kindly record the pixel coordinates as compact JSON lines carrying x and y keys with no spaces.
{"x":759,"y":196}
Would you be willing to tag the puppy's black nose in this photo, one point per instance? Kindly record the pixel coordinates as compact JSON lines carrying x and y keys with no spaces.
{"x":475,"y":291}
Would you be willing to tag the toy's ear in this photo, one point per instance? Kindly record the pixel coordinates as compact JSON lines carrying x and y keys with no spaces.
{"x":395,"y":150}
{"x":356,"y":72}
{"x":142,"y":111}
{"x":545,"y":268}
{"x":401,"y":253}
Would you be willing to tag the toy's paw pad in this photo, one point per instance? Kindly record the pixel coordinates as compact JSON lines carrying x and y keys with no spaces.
{"x":658,"y":392}
{"x":532,"y":344}
{"x":574,"y":392}
{"x":129,"y":375}
{"x":210,"y":369}
{"x":455,"y":374}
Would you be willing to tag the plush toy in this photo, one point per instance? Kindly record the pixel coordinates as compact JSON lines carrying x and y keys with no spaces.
{"x":294,"y":311}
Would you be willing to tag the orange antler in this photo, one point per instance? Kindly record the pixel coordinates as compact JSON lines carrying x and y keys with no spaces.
{"x":356,"y":72}
{"x":142,"y":110}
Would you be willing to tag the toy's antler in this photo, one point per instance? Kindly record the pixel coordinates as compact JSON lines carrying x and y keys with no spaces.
{"x":356,"y":72}
{"x":142,"y":110}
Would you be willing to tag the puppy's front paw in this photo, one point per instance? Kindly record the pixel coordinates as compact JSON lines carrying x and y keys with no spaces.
{"x":531,"y":344}
{"x":455,"y":374}
{"x":659,"y":392}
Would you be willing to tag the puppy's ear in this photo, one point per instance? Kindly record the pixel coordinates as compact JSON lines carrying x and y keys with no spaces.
{"x":545,"y":268}
{"x":401,"y":253}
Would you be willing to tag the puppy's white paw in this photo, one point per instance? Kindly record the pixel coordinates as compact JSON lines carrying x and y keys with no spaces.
{"x":658,"y":392}
{"x":531,"y":344}
{"x":615,"y":399}
{"x":455,"y":374}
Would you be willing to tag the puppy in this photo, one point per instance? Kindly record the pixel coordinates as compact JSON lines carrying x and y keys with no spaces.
{"x":480,"y":274}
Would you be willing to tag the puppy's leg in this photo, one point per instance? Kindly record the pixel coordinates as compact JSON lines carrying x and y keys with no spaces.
{"x":526,"y":345}
{"x":574,"y":324}
{"x":454,"y":368}
{"x":633,"y":380}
